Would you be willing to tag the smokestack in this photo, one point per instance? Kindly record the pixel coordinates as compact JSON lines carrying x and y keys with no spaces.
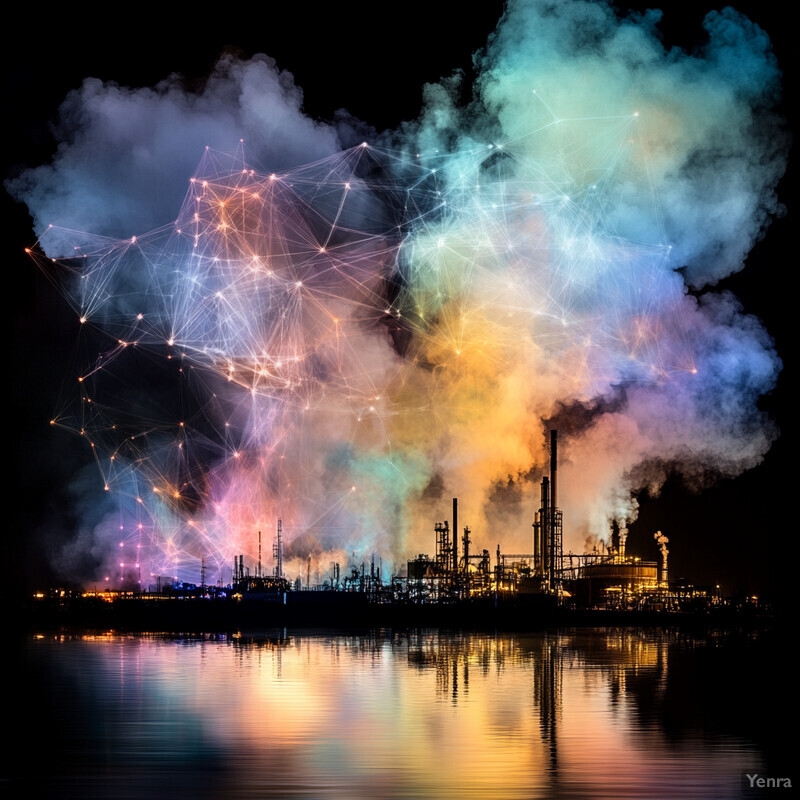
{"x":455,"y":534}
{"x":552,"y":537}
{"x":277,"y":551}
{"x":662,"y":542}
{"x":544,"y":529}
{"x":259,"y":554}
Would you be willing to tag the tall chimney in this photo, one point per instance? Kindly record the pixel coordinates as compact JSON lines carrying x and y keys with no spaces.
{"x":552,"y":561}
{"x":277,"y":551}
{"x":544,"y":529}
{"x":662,"y":542}
{"x":455,"y":534}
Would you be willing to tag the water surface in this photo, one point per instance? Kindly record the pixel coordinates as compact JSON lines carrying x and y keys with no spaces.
{"x":622,"y":713}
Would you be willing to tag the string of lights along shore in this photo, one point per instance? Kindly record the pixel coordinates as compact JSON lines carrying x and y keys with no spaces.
{"x":348,"y":336}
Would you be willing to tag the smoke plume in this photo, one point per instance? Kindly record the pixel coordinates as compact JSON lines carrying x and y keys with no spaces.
{"x":359,"y":334}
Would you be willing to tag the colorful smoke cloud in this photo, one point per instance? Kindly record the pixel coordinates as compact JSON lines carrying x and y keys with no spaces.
{"x":350,"y":336}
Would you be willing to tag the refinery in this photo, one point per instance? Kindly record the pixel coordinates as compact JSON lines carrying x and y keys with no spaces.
{"x":457,"y":583}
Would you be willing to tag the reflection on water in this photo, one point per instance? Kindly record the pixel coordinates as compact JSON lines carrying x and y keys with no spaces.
{"x":623,"y":713}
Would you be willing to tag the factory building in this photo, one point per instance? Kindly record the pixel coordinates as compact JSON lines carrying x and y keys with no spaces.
{"x":609,"y":579}
{"x":459,"y":573}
